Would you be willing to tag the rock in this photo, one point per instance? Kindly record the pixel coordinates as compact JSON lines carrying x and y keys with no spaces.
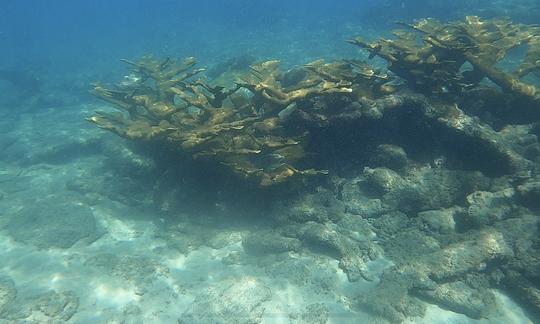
{"x":402,"y":237}
{"x":221,"y":239}
{"x":442,"y":188}
{"x":316,"y":274}
{"x":421,"y":189}
{"x":352,"y":254}
{"x":486,"y":208}
{"x":57,"y":305}
{"x":524,"y":291}
{"x":326,"y":240}
{"x":390,"y":156}
{"x":67,"y":149}
{"x":321,"y":206}
{"x":396,"y":192}
{"x":357,"y":228}
{"x":391,"y":298}
{"x":316,"y":313}
{"x":132,"y":313}
{"x":384,"y":180}
{"x":268,"y":242}
{"x":355,"y":268}
{"x":368,"y":208}
{"x":233,"y":258}
{"x":129,"y":314}
{"x":520,"y":273}
{"x":523,"y":140}
{"x":461,"y":258}
{"x":477,"y":144}
{"x":440,"y":221}
{"x":390,"y":224}
{"x":15,"y":312}
{"x":356,"y":202}
{"x":529,"y":192}
{"x":493,"y":153}
{"x":8,"y":292}
{"x":461,"y":298}
{"x":54,"y":224}
{"x":523,"y":235}
{"x":237,"y":302}
{"x":11,"y":308}
{"x":132,"y":268}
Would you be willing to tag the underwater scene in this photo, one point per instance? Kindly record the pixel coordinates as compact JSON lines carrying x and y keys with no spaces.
{"x":244,"y":161}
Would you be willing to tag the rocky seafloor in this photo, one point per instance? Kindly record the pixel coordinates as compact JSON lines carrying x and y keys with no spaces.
{"x":94,"y":230}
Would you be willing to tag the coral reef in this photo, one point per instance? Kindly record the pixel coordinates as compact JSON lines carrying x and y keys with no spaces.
{"x":432,"y":164}
{"x":34,"y":225}
{"x":213,"y":122}
{"x":261,"y":127}
{"x":433,"y":62}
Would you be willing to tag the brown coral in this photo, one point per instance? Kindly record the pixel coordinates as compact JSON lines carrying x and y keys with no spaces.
{"x":213,"y":122}
{"x":433,"y":55}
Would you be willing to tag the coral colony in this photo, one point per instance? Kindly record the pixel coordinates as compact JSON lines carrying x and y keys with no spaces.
{"x":259,"y":128}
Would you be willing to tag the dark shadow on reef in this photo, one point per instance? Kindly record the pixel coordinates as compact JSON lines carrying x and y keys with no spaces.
{"x":204,"y":188}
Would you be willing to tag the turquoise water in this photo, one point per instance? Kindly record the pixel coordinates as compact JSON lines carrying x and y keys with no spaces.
{"x":389,"y":193}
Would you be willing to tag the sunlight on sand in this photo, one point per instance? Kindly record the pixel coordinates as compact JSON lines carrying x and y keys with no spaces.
{"x":114,"y":296}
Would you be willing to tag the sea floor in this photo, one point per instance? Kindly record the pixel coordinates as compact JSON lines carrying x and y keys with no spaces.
{"x":81,"y":244}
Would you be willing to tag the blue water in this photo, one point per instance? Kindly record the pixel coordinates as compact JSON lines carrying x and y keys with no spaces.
{"x":76,"y":34}
{"x":416,"y":219}
{"x":90,"y":36}
{"x":93,"y":35}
